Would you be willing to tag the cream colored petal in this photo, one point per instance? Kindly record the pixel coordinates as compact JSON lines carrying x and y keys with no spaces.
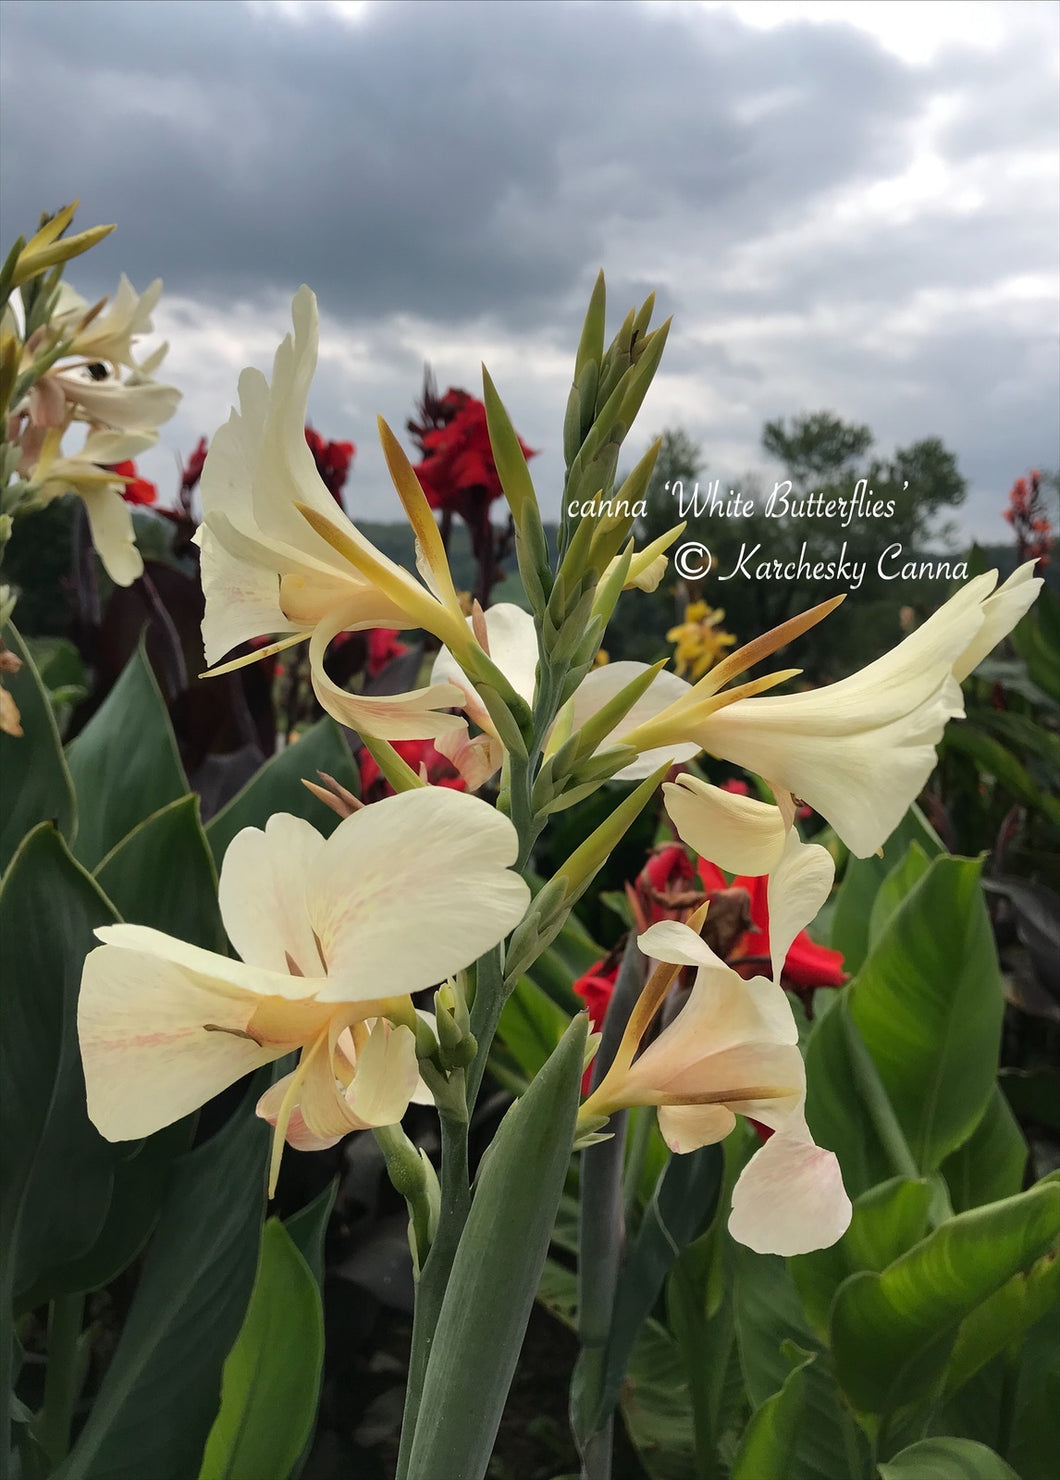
{"x":796,"y":893}
{"x":512,"y":637}
{"x":602,"y":684}
{"x":417,"y":715}
{"x":111,"y":526}
{"x":237,"y":974}
{"x":688,"y":1127}
{"x":106,"y":447}
{"x":148,"y":1055}
{"x":739,"y":834}
{"x":262,"y":895}
{"x":678,"y":944}
{"x":842,"y":754}
{"x":285,"y":471}
{"x":239,"y":464}
{"x":1001,"y":612}
{"x":731,"y":1074}
{"x":119,"y":404}
{"x":726,"y":1037}
{"x":386,"y":1076}
{"x":298,"y":1136}
{"x":412,"y":889}
{"x":242,"y":599}
{"x":790,"y":1199}
{"x":476,"y":759}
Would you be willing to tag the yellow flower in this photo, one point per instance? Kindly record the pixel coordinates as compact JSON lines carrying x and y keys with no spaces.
{"x":700,"y":640}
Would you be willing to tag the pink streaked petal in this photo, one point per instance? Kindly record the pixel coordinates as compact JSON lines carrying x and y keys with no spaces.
{"x":298,"y":1136}
{"x":790,"y":1198}
{"x":159,"y":1040}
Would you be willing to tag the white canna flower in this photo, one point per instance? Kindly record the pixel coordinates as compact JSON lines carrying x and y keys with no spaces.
{"x":132,"y":405}
{"x":509,"y":635}
{"x":280,"y":557}
{"x":860,"y":751}
{"x":110,"y":333}
{"x":334,"y":934}
{"x":89,"y":473}
{"x":733,"y":1050}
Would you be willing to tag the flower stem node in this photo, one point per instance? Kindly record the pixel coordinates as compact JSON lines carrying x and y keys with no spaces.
{"x":457,"y":1045}
{"x":411,"y":1173}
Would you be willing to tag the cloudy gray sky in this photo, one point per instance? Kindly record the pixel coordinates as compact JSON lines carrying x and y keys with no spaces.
{"x":845,"y":206}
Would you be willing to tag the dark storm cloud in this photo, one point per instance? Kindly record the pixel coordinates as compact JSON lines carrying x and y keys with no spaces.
{"x":449,"y":177}
{"x":442,"y":159}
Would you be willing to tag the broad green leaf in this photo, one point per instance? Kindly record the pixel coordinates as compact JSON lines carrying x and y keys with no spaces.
{"x":1022,"y":730}
{"x":947,"y":1459}
{"x":682,"y":1207}
{"x":161,"y":874}
{"x":557,"y":1291}
{"x":862,"y":879}
{"x":767,"y":1449}
{"x":308,"y":1228}
{"x":35,"y":784}
{"x":277,"y":787}
{"x":996,"y":760}
{"x":887,"y":1221}
{"x":843,"y":1103}
{"x":656,"y":1407}
{"x":1004,"y":1318}
{"x":160,"y":1395}
{"x":531,"y":1026}
{"x":1035,"y":1425}
{"x":991,"y":1163}
{"x":124,"y":763}
{"x":700,"y":1311}
{"x":62,"y":674}
{"x":496,"y":1273}
{"x":1036,"y":642}
{"x":892,"y":1332}
{"x":768,"y":1313}
{"x":272,"y":1374}
{"x":895,"y":887}
{"x":141,"y":1179}
{"x":57,"y":1170}
{"x":928,"y":1005}
{"x":769,"y":1323}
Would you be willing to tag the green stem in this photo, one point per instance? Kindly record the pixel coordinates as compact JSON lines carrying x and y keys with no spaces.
{"x":434,"y":1277}
{"x":65,"y":1373}
{"x":485,"y":1015}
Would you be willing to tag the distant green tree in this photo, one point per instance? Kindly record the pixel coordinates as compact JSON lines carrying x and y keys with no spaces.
{"x":680,"y":460}
{"x":819,"y":446}
{"x":824,"y":460}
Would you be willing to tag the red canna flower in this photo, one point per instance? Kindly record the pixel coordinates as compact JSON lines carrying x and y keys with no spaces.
{"x":736,"y":929}
{"x":383,"y":648}
{"x":457,"y":469}
{"x":424,"y":760}
{"x":137,"y":490}
{"x":333,"y":461}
